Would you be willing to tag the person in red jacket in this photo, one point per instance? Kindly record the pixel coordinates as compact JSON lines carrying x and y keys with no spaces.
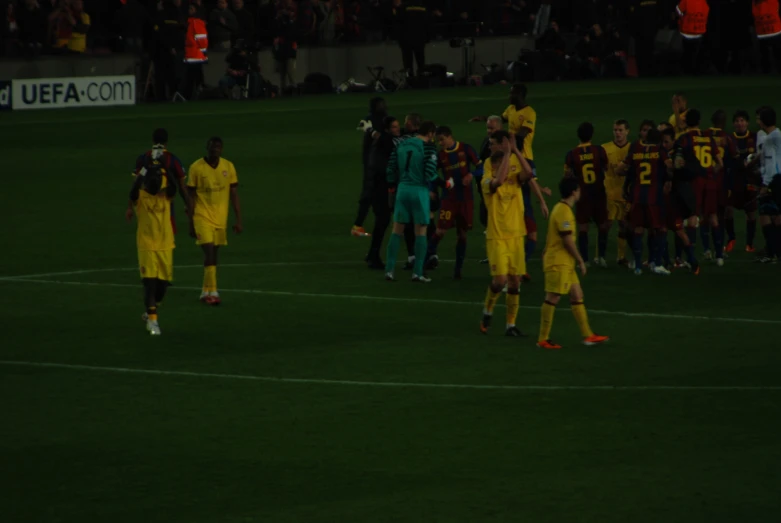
{"x":693,"y":24}
{"x":196,"y":44}
{"x":767,"y":23}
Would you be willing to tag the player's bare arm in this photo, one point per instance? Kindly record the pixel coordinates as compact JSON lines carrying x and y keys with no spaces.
{"x":234,"y":195}
{"x":191,"y":191}
{"x":134,"y":190}
{"x":569,"y":244}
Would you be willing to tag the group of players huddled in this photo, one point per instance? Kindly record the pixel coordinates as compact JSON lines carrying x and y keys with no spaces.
{"x":675,"y":177}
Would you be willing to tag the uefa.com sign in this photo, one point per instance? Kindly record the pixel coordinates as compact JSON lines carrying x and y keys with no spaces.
{"x":55,"y":93}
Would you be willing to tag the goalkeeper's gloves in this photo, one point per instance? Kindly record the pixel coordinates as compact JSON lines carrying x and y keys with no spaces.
{"x":391,"y":197}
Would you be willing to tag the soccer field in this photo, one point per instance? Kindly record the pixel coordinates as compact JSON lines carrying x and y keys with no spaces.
{"x":318,"y":392}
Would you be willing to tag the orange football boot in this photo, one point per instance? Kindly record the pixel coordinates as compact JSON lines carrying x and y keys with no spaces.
{"x":359,"y":232}
{"x":548,"y":344}
{"x":730,"y":246}
{"x":750,"y":248}
{"x":595,"y":339}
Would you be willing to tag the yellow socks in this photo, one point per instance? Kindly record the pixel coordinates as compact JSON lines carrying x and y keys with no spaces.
{"x":490,"y":301}
{"x":579,"y":311}
{"x":546,"y":320}
{"x":621,"y":248}
{"x":513,"y":298}
{"x":210,"y":278}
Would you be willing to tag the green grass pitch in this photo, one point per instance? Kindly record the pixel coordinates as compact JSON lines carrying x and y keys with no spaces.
{"x":675,"y":420}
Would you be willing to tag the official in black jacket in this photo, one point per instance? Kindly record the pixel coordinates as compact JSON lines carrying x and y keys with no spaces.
{"x":372,"y":126}
{"x":415,"y":28}
{"x":170,"y":26}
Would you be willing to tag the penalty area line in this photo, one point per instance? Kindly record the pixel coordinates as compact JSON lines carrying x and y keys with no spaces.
{"x":390,"y":384}
{"x":392,"y":299}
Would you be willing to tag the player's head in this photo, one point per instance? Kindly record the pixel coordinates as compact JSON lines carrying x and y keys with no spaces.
{"x":693,"y":118}
{"x":740,"y":121}
{"x":214,"y":148}
{"x":160,"y":137}
{"x":719,"y":119}
{"x":569,"y":189}
{"x":518,"y":94}
{"x":668,"y":137}
{"x":665,"y":125}
{"x":427,"y":130}
{"x":391,"y":126}
{"x":377,"y":107}
{"x":654,"y":137}
{"x":767,"y":118}
{"x":758,"y":111}
{"x":445,"y":137}
{"x":153,"y":177}
{"x":620,"y":130}
{"x":497,"y":139}
{"x":645,"y":126}
{"x":493,"y":124}
{"x":585,"y":132}
{"x":412,"y":122}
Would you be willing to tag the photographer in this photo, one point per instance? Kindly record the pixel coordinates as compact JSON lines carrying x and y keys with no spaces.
{"x":241,"y":69}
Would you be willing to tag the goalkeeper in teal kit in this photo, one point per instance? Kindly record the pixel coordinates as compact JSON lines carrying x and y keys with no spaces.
{"x":412,"y":166}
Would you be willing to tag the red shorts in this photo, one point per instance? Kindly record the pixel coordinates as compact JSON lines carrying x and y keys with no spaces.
{"x":455,"y":213}
{"x":647,"y":216}
{"x":531,"y":224}
{"x":588,"y":211}
{"x":710,"y":196}
{"x":743,"y":198}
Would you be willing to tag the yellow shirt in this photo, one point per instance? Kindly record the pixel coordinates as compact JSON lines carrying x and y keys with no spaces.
{"x":78,"y":41}
{"x":155,"y":232}
{"x":674,"y":122}
{"x":614,"y":184}
{"x":505,"y":206}
{"x":526,"y":117}
{"x":561,"y":222}
{"x":212,"y":191}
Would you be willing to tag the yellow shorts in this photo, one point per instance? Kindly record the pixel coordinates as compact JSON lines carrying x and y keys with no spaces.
{"x":560,"y":282}
{"x":206,"y":233}
{"x":506,"y":257}
{"x":616,"y":210}
{"x":156,"y":264}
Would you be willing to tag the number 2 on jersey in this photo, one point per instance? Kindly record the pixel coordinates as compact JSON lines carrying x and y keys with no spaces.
{"x":589,"y":175}
{"x":645,"y":173}
{"x":704,"y":155}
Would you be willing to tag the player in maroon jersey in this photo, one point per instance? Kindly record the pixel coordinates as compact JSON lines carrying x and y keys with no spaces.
{"x":743,"y":181}
{"x":715,"y":190}
{"x":647,"y":180}
{"x":588,"y":163}
{"x":673,"y":219}
{"x":456,"y":161}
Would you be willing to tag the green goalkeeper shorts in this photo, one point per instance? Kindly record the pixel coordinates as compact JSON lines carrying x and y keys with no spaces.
{"x":412,"y":205}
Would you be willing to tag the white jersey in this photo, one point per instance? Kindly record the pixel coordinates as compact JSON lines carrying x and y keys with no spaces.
{"x":761,"y":137}
{"x":771,"y":156}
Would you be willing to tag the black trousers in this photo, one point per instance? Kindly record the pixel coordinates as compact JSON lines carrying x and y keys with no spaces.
{"x":193,"y":77}
{"x":382,"y":218}
{"x":691,"y":54}
{"x":766,"y":47}
{"x":416,"y":51}
{"x":165,"y":76}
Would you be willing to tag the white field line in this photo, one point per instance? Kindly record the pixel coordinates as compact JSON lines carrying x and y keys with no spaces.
{"x":395,"y":299}
{"x":392,"y":384}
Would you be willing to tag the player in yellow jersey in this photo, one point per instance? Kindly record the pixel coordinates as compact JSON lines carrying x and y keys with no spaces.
{"x":213,"y":186}
{"x":153,"y":189}
{"x":502,"y":176}
{"x":558,"y":261}
{"x":521,"y":121}
{"x":614,"y":184}
{"x":678,"y":118}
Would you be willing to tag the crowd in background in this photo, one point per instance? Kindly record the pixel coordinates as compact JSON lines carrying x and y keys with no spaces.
{"x":127,"y":25}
